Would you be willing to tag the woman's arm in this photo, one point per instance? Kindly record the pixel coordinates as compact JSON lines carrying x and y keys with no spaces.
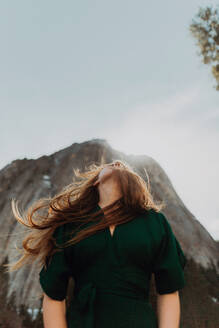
{"x":54,"y":313}
{"x":168,"y":310}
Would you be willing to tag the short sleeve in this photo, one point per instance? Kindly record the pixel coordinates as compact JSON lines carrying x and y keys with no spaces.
{"x":55,"y":276}
{"x":169,"y":261}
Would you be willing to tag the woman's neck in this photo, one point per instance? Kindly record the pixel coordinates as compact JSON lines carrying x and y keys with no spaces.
{"x":108,"y":194}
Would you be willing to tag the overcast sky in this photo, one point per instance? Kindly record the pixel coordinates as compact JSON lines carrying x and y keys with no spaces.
{"x":125,"y":71}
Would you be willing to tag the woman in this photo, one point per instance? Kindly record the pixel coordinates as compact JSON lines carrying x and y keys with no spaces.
{"x":107,"y":233}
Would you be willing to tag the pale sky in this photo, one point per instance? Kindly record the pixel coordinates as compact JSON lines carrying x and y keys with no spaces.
{"x":124,"y":71}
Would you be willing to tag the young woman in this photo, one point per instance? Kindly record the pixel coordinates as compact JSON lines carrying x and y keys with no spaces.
{"x":107,"y":233}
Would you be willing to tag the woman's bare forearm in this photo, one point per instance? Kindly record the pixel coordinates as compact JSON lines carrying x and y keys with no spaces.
{"x":54,"y":313}
{"x":168,"y":310}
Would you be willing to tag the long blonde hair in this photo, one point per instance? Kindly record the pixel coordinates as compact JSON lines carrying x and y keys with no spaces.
{"x":74,"y":203}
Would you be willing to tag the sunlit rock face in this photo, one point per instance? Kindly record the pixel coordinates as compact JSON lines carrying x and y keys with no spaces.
{"x":29,"y":180}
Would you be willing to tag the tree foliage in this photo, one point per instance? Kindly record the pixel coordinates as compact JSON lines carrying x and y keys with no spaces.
{"x":205,"y":29}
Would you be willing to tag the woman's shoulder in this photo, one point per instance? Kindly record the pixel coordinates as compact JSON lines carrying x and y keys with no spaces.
{"x":159,"y":224}
{"x":63,"y":232}
{"x":155,"y":220}
{"x":152,"y":216}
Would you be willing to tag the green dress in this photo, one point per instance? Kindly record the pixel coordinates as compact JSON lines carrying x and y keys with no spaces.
{"x":112,"y":273}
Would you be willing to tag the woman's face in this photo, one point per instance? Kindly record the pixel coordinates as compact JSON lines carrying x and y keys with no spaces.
{"x":107,"y":171}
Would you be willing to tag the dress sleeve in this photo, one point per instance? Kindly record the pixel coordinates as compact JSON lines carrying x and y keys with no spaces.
{"x":55,"y":276}
{"x":169,"y":261}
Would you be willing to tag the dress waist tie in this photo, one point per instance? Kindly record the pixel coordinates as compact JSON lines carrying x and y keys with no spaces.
{"x":86,"y":294}
{"x":85,"y":301}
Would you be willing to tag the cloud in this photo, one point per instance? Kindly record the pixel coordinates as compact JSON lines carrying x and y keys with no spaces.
{"x":176,"y":132}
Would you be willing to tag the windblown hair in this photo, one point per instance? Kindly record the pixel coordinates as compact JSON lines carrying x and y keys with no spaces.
{"x":75,"y":203}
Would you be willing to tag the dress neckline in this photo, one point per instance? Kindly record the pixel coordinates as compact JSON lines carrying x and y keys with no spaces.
{"x":111,"y":235}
